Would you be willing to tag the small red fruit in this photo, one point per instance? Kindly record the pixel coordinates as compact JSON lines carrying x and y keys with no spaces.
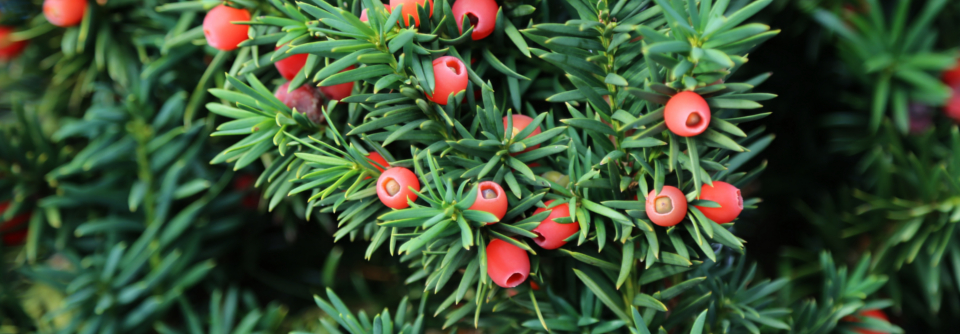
{"x":306,"y":100}
{"x":687,"y":114}
{"x":667,"y":208}
{"x":376,"y":157}
{"x":64,"y":13}
{"x":951,"y":77}
{"x":363,"y":14}
{"x":482,"y":15}
{"x":507,"y":265}
{"x":410,"y":9}
{"x":729,"y":198}
{"x":520,"y":122}
{"x":290,"y":66}
{"x":14,"y":231}
{"x":220,"y":32}
{"x":551,"y":234}
{"x":9,"y":49}
{"x":868,"y":313}
{"x":952,"y":108}
{"x":491,"y":198}
{"x":449,"y":76}
{"x":339,"y":91}
{"x":393,"y":187}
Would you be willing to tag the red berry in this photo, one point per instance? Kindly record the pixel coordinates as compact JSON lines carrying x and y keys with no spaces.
{"x":491,"y":198}
{"x":9,"y":49}
{"x":449,"y":76}
{"x":220,"y":33}
{"x":64,"y":13}
{"x":951,"y":77}
{"x":14,"y":230}
{"x":687,"y":114}
{"x":728,"y":196}
{"x":667,"y":208}
{"x":507,"y":265}
{"x":15,"y":238}
{"x":410,"y":9}
{"x":868,"y":313}
{"x":551,"y":234}
{"x":393,"y":187}
{"x":243,"y":182}
{"x":520,"y":122}
{"x":952,"y":107}
{"x":534,"y":286}
{"x":481,"y":13}
{"x":339,"y":91}
{"x":290,"y":66}
{"x":306,"y":100}
{"x":363,"y":14}
{"x":376,"y":157}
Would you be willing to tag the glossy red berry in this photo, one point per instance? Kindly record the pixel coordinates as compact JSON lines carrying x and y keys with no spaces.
{"x":10,"y":49}
{"x":64,"y":13}
{"x":725,"y":194}
{"x":952,"y":108}
{"x":410,"y":9}
{"x":507,"y":265}
{"x":449,"y":76}
{"x":290,"y":66}
{"x":15,"y":230}
{"x":951,"y":77}
{"x":306,"y":100}
{"x":878,"y":314}
{"x":393,"y":187}
{"x":482,"y":15}
{"x":339,"y":91}
{"x":520,"y":122}
{"x":551,"y":234}
{"x":491,"y":198}
{"x":220,"y":32}
{"x":363,"y":14}
{"x":687,"y":114}
{"x":376,"y":157}
{"x":668,"y":207}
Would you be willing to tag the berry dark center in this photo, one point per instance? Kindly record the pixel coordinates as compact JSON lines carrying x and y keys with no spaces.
{"x":540,"y":238}
{"x":515,"y":279}
{"x":473,"y":19}
{"x":489,"y":194}
{"x":391,"y":186}
{"x":693,"y":119}
{"x":454,"y":66}
{"x":663,"y":204}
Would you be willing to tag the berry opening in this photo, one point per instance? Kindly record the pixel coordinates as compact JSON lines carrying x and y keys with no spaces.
{"x":515,"y":131}
{"x":515,"y":279}
{"x":488,"y":192}
{"x":739,"y":199}
{"x":454,"y":66}
{"x":663,"y":204}
{"x":694,"y":119}
{"x":474,"y":20}
{"x":391,"y":186}
{"x":539,"y":239}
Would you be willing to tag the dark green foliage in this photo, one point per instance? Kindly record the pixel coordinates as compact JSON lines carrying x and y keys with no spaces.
{"x":125,"y":139}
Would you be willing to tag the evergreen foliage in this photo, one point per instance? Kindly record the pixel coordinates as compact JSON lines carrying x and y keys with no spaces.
{"x":156,"y":184}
